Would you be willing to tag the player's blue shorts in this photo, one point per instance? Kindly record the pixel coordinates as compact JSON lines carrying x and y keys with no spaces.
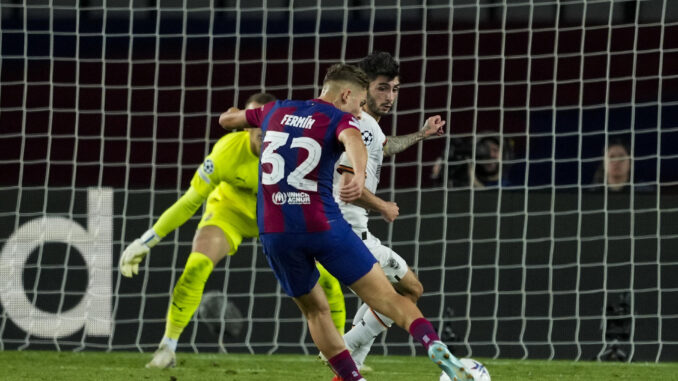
{"x":292,"y":256}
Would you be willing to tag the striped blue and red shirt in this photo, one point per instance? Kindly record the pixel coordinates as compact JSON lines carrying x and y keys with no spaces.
{"x":299,"y":151}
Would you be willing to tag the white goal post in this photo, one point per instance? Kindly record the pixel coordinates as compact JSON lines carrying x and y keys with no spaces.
{"x":107,"y":108}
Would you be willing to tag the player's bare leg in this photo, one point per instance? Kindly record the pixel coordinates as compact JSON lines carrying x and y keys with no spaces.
{"x":209,"y":247}
{"x":410,"y":286}
{"x":368,"y":323}
{"x":316,"y":309}
{"x":375,"y":290}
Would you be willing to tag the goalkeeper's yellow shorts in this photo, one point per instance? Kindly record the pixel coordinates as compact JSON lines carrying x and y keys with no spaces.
{"x":220,"y":212}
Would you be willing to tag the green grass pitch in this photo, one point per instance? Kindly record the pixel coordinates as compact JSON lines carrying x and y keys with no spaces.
{"x":47,"y":365}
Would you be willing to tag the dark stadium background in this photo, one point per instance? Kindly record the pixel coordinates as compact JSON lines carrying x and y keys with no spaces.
{"x":552,"y":126}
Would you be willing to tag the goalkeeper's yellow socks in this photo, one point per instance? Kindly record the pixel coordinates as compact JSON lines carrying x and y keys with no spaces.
{"x":187,"y":294}
{"x":338,"y":311}
{"x":335,"y":297}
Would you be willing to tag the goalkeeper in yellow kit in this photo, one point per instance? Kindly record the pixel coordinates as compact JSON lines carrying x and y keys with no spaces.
{"x":227,"y":180}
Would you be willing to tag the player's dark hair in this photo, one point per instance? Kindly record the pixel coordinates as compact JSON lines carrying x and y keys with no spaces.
{"x":380,"y":63}
{"x":261,"y":98}
{"x":349,"y":73}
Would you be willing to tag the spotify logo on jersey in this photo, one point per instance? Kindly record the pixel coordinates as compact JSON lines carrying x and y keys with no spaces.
{"x":93,"y":244}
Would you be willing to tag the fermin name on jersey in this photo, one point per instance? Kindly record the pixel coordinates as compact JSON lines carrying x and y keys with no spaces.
{"x":297,"y":121}
{"x":291,"y":198}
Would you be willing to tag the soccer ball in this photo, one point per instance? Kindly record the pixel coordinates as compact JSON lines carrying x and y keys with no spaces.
{"x":475,"y":368}
{"x":216,"y":310}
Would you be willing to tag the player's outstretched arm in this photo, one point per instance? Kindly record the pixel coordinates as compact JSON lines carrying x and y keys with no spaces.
{"x":395,"y":144}
{"x":175,"y":216}
{"x":368,"y":200}
{"x":233,"y":119}
{"x":389,"y":210}
{"x":357,"y":156}
{"x":136,"y":251}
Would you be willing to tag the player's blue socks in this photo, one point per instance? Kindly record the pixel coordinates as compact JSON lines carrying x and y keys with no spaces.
{"x":345,"y":367}
{"x":422,"y":330}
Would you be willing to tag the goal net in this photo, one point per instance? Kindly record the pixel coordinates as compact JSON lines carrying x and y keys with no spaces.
{"x":528,"y":241}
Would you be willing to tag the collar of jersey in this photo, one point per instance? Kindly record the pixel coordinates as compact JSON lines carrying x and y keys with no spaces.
{"x":321,"y":101}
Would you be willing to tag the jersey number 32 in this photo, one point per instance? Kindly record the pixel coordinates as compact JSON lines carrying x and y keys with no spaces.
{"x":296,"y":178}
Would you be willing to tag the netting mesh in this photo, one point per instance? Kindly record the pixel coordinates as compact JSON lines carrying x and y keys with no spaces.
{"x":114,"y":103}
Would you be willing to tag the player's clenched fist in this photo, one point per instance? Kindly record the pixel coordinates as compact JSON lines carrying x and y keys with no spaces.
{"x":434,"y":126}
{"x":135,"y":253}
{"x":390,"y":211}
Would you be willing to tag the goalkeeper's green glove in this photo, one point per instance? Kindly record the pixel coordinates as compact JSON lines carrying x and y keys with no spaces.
{"x":136,"y":251}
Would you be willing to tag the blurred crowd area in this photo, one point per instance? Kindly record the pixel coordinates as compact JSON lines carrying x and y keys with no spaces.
{"x":127,"y":94}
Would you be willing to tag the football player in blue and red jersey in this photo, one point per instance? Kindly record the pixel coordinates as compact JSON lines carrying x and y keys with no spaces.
{"x":300,"y":222}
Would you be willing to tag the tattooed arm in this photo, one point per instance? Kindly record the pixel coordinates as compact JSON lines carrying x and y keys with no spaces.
{"x":395,"y":144}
